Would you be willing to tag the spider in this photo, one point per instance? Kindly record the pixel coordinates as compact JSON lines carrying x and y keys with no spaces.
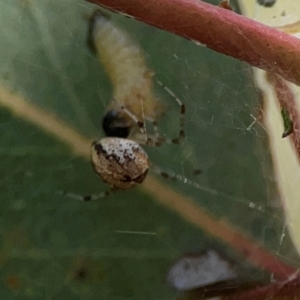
{"x":119,"y":158}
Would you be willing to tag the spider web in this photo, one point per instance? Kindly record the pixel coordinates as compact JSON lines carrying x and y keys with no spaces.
{"x":283,"y":16}
{"x":123,"y":246}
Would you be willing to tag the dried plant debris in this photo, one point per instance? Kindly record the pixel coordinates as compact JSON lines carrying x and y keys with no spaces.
{"x":194,"y":271}
{"x":266,"y":3}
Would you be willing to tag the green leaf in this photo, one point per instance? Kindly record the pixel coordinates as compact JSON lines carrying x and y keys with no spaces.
{"x":122,"y":246}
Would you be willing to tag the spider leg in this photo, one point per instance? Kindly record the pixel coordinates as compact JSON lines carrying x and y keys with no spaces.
{"x":140,"y":124}
{"x":181,"y":134}
{"x":167,"y":175}
{"x":156,"y":139}
{"x":86,"y":198}
{"x":171,"y":175}
{"x":145,"y":138}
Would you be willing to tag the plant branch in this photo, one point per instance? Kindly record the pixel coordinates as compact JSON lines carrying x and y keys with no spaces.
{"x":290,"y":289}
{"x":219,"y":29}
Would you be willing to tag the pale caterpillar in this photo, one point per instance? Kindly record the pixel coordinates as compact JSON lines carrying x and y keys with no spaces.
{"x":124,"y":62}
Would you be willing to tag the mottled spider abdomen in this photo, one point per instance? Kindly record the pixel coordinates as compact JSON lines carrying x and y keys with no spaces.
{"x":121,"y":163}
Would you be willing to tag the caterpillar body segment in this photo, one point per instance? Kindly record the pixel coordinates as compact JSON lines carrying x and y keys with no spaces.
{"x":125,"y":65}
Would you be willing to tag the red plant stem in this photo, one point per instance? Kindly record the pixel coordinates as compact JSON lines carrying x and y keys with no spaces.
{"x":277,"y":291}
{"x":219,"y":29}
